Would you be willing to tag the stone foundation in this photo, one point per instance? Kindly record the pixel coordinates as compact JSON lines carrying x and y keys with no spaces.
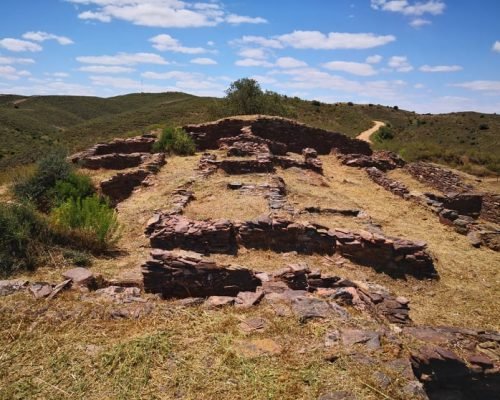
{"x":382,"y":160}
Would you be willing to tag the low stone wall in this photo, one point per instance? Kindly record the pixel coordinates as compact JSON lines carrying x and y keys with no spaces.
{"x":395,"y":187}
{"x":120,"y":186}
{"x":392,"y":255}
{"x":174,"y":231}
{"x":439,"y":178}
{"x":262,"y":164}
{"x":294,"y":135}
{"x":254,"y":144}
{"x":180,"y":275}
{"x":283,"y":236}
{"x":382,"y":160}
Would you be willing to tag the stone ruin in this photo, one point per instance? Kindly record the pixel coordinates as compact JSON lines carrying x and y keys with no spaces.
{"x":392,"y":255}
{"x":120,"y":154}
{"x":382,"y":160}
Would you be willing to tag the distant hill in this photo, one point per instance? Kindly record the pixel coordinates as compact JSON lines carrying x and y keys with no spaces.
{"x":29,"y":126}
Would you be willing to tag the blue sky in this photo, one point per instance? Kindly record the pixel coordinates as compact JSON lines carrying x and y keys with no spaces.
{"x":427,"y":55}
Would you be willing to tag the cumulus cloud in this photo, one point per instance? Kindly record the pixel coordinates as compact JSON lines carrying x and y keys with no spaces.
{"x":496,"y":46}
{"x":400,"y":64}
{"x":252,"y":62}
{"x":253,"y":53}
{"x":440,"y":68}
{"x":480,"y":86}
{"x":166,"y":42}
{"x":57,"y":74}
{"x":354,"y":68}
{"x":234,"y":19}
{"x":433,"y":7}
{"x":15,"y":60}
{"x":43,"y":36}
{"x":19,"y":45}
{"x":290,"y":62}
{"x":170,"y":75}
{"x":203,"y":61}
{"x":418,"y":22}
{"x":258,"y":40}
{"x":12,"y":74}
{"x":162,"y":13}
{"x":375,"y":59}
{"x":124,"y":59}
{"x":106,"y":69}
{"x":334,"y":40}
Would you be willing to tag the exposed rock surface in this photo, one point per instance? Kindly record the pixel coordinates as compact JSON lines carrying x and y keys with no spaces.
{"x":382,"y":160}
{"x":120,"y":186}
{"x":379,"y":177}
{"x":294,"y":135}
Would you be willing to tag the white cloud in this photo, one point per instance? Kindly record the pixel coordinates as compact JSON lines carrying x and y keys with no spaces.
{"x":162,"y":13}
{"x":19,"y":45}
{"x":124,"y":59}
{"x":253,"y":53}
{"x":259,"y":40}
{"x":419,"y":86}
{"x":116,"y":82}
{"x":334,"y":40}
{"x":106,"y":69}
{"x":166,"y":42}
{"x":400,"y":64}
{"x":264,"y":79}
{"x":181,"y":75}
{"x":14,"y":60}
{"x":240,"y":19}
{"x":496,"y":46}
{"x":51,"y":87}
{"x":418,"y":22}
{"x":440,"y":68}
{"x":480,"y":86}
{"x":12,"y":74}
{"x":57,"y":74}
{"x":43,"y":36}
{"x":290,"y":62}
{"x":433,"y":7}
{"x":354,"y":68}
{"x":203,"y":61}
{"x":251,"y":62}
{"x":375,"y":59}
{"x":210,"y":43}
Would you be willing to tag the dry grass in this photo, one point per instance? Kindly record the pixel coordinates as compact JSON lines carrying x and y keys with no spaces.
{"x":411,"y":183}
{"x":72,"y":348}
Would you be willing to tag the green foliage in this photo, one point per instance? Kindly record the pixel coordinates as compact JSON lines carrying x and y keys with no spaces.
{"x":73,"y":187}
{"x":22,"y":230}
{"x":38,"y":187}
{"x":384,"y":133}
{"x":79,"y":258}
{"x":90,"y":220}
{"x":245,"y":96}
{"x":175,"y":141}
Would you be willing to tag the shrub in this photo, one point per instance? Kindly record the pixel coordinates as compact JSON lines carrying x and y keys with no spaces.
{"x":79,"y":258}
{"x":350,"y":103}
{"x":89,"y":220}
{"x":75,"y":186}
{"x":175,"y":141}
{"x":316,"y":103}
{"x":22,"y":231}
{"x":38,"y":186}
{"x":385,"y":133}
{"x":484,"y":127}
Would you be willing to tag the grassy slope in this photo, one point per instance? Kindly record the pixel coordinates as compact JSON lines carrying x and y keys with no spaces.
{"x":41,"y":122}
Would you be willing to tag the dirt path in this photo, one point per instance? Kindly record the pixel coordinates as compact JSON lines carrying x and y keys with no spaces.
{"x":368,"y":133}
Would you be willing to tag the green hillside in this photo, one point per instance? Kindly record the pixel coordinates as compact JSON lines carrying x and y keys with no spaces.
{"x":29,"y":126}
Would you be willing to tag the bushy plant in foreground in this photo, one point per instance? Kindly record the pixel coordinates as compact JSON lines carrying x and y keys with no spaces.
{"x":90,"y":220}
{"x":175,"y":141}
{"x":22,"y":232}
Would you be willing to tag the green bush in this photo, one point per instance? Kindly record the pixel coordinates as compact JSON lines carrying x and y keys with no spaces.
{"x":73,"y":187}
{"x":89,"y":220}
{"x":22,"y":234}
{"x":385,"y":133}
{"x":175,"y":141}
{"x":37,"y":188}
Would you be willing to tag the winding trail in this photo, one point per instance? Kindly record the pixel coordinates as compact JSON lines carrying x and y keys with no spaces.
{"x":368,"y":133}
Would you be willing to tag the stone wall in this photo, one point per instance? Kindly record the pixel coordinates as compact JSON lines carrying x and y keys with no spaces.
{"x":120,"y":186}
{"x":294,"y":135}
{"x":382,"y":160}
{"x":379,"y":177}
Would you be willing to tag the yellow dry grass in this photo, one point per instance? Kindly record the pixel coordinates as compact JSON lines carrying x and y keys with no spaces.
{"x":72,"y":348}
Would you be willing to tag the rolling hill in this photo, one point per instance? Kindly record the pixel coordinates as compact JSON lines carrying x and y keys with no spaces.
{"x":29,"y":126}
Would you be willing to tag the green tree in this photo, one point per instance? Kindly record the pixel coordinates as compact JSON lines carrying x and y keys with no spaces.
{"x":245,"y":96}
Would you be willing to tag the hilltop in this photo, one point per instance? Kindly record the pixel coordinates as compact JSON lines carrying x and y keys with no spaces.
{"x":31,"y":125}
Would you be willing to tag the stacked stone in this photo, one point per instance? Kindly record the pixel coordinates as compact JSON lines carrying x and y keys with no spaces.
{"x":182,"y":197}
{"x":261,"y":164}
{"x":287,"y":162}
{"x":207,"y":164}
{"x":439,"y":178}
{"x":283,"y":236}
{"x":274,"y":147}
{"x":393,"y":255}
{"x":311,"y":160}
{"x":393,"y":186}
{"x":382,"y":160}
{"x":276,"y":195}
{"x":182,"y":275}
{"x":333,"y":211}
{"x":120,"y":186}
{"x":175,"y":231}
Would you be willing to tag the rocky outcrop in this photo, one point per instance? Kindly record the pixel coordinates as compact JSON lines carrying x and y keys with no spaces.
{"x":392,"y":255}
{"x":294,"y":135}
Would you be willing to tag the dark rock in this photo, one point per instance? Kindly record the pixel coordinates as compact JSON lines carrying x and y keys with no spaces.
{"x":369,"y":339}
{"x":81,"y":277}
